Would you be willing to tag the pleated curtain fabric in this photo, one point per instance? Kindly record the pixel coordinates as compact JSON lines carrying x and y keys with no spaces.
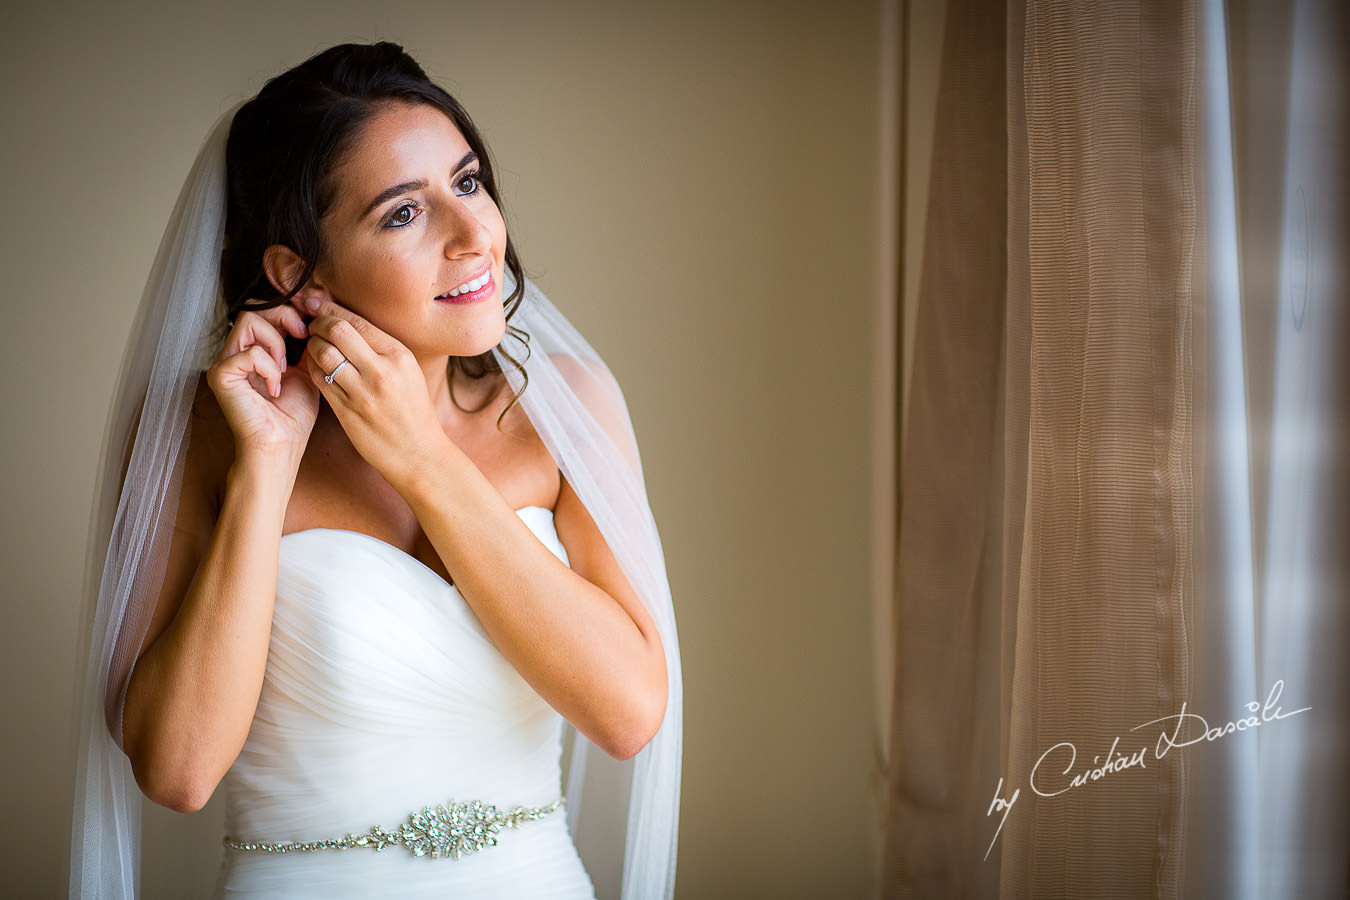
{"x":1045,"y":560}
{"x":947,"y":723}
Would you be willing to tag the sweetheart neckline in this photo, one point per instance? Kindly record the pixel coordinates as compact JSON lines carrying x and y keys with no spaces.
{"x":399,"y":550}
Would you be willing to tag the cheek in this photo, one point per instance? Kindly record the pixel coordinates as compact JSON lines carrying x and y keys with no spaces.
{"x":370,"y":278}
{"x":492,"y":220}
{"x":375,"y":287}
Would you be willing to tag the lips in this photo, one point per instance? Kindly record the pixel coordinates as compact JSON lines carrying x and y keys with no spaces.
{"x":470,"y":291}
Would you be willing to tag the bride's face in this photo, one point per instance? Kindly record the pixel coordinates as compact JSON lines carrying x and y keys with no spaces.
{"x":415,"y":244}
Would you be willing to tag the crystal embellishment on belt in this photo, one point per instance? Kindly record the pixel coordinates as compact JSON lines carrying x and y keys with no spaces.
{"x":450,"y":830}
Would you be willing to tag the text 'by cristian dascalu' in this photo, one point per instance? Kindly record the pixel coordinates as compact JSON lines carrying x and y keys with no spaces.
{"x":1051,"y":776}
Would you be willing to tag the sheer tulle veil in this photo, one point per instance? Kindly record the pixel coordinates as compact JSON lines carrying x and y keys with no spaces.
{"x":571,"y":399}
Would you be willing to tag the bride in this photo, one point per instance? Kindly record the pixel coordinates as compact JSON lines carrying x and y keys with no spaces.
{"x":361,"y":571}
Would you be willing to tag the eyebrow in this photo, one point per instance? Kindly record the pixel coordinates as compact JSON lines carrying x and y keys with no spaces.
{"x":391,"y":192}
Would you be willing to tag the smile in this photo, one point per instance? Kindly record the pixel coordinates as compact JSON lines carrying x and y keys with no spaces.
{"x":471,"y":290}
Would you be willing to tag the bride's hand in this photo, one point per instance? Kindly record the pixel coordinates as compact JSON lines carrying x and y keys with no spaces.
{"x":269,"y":406}
{"x":376,"y":388}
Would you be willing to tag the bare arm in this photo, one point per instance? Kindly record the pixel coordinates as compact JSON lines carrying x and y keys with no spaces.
{"x":580,"y":636}
{"x":195,"y":686}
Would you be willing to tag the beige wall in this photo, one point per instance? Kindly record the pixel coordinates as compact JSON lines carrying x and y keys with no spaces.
{"x":695,"y":183}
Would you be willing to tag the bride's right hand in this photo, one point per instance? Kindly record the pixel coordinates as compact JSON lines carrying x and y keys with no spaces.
{"x":270,"y":407}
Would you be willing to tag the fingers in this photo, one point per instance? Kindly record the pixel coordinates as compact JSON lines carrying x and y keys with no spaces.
{"x":346,"y":330}
{"x":253,"y":360}
{"x":337,"y":336}
{"x":261,"y":329}
{"x":327,"y":364}
{"x":286,"y":318}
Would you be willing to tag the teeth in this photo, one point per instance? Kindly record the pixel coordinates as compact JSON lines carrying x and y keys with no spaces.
{"x":469,"y":287}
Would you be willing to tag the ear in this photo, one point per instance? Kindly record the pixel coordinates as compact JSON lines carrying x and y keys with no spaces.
{"x":284,"y":267}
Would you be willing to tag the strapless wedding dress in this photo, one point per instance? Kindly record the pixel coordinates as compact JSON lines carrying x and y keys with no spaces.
{"x":383,"y":695}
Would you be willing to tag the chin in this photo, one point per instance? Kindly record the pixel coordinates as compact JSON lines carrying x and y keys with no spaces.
{"x":479,"y":341}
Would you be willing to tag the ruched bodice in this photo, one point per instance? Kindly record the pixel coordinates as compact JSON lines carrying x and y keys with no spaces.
{"x":383,"y":695}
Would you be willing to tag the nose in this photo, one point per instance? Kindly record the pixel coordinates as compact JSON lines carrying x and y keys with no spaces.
{"x":465,"y":233}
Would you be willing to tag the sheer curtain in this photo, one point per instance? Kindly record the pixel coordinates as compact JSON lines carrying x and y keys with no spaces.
{"x":1124,"y":486}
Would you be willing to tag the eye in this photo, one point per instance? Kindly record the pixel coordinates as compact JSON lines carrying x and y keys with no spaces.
{"x":468,"y":183}
{"x":404,"y":215}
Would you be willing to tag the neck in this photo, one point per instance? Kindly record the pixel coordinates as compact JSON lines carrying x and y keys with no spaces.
{"x":453,"y":398}
{"x":436,"y":371}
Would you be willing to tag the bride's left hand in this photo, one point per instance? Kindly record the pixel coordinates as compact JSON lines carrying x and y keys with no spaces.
{"x":380,"y":395}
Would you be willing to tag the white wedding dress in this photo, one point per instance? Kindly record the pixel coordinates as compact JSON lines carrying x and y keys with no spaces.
{"x":383,"y":695}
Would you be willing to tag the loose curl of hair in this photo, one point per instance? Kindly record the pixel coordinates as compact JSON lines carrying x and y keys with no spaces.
{"x":282,"y":149}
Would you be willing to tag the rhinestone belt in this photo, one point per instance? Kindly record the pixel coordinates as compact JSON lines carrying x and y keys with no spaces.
{"x":455,"y":829}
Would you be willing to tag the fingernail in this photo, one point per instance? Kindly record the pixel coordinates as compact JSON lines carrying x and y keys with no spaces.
{"x":312,"y":304}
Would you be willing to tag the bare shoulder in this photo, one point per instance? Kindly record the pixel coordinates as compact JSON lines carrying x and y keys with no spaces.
{"x":505,"y":446}
{"x":206,"y":412}
{"x":210,"y":449}
{"x":599,"y":393}
{"x":589,"y":378}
